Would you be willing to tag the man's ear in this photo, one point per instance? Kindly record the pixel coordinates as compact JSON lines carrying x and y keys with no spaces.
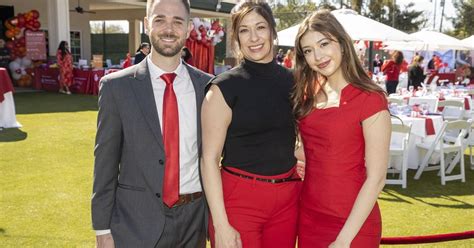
{"x":145,"y":23}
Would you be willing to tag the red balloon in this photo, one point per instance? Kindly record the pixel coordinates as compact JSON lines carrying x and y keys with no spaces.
{"x":9,"y":45}
{"x":8,"y":24}
{"x":21,"y":21}
{"x":35,"y":14}
{"x":9,"y":33}
{"x":36,"y":25}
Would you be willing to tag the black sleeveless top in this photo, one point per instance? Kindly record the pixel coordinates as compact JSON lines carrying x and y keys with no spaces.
{"x":261,"y":136}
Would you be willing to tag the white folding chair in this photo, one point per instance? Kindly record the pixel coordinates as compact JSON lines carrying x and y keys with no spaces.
{"x":450,"y":149}
{"x":435,"y":80}
{"x":470,"y":144}
{"x":399,"y":151}
{"x":452,"y":109}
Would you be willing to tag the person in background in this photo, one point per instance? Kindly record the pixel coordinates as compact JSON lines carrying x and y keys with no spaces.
{"x":127,"y":62}
{"x":64,"y":58}
{"x":377,"y":63}
{"x":247,"y":119}
{"x":415,"y":73}
{"x":187,"y":56}
{"x":280,"y":56}
{"x":4,"y":54}
{"x":142,"y":52}
{"x":431,"y":63}
{"x":345,"y":131}
{"x":391,"y":68}
{"x":288,"y":60}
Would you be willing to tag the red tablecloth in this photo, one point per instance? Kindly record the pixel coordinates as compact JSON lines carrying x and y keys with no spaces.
{"x":85,"y":81}
{"x":5,"y":83}
{"x":443,"y":76}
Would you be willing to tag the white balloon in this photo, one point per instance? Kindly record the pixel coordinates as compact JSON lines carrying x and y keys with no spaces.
{"x":14,"y":66}
{"x":207,"y":24}
{"x":16,"y":76}
{"x":26,"y":62}
{"x":197,"y":23}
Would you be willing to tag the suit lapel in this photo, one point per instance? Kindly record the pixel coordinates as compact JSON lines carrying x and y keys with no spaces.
{"x":143,"y":90}
{"x":199,"y":92}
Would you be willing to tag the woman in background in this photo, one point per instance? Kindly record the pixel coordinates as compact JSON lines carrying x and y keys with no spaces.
{"x":345,"y":131}
{"x":64,"y":58}
{"x":288,"y":60}
{"x":416,"y":75}
{"x":391,"y":68}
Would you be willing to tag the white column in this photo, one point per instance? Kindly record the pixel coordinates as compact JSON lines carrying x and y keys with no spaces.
{"x":58,"y":24}
{"x":134,"y":35}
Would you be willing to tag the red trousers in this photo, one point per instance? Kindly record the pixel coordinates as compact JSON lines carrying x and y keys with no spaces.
{"x":265,"y":214}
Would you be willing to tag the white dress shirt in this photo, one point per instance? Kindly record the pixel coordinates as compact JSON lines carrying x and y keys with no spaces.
{"x":187,"y":114}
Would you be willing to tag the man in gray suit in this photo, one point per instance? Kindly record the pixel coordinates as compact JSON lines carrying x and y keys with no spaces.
{"x":147,"y":191}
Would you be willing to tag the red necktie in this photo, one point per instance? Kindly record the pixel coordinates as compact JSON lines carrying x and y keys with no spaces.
{"x":171,"y":141}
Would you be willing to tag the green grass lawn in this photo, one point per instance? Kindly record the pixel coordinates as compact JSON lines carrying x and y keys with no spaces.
{"x":46,"y":182}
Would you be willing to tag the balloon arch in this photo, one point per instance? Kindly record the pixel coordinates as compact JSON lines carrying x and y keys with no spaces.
{"x":201,"y":42}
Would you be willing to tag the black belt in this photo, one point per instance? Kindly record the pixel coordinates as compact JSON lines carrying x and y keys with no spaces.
{"x":267,"y":180}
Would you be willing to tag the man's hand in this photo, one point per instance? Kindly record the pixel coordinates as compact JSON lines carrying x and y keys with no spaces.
{"x":105,"y":241}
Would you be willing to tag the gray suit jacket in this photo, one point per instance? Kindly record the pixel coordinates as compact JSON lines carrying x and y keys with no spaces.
{"x":129,"y":156}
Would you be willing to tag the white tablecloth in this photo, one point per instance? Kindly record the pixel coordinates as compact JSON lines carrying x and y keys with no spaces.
{"x":418,"y":134}
{"x":7,"y":112}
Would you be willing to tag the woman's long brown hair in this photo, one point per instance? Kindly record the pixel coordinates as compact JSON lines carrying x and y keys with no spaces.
{"x":307,"y":81}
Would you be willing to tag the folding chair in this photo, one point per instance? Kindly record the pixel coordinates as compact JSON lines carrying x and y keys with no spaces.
{"x":399,"y":149}
{"x":470,"y":144}
{"x":452,"y":109}
{"x":450,"y":149}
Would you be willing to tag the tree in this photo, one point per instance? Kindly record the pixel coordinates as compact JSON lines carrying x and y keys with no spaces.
{"x":291,"y":13}
{"x":97,"y":28}
{"x":463,"y":22}
{"x":407,"y":20}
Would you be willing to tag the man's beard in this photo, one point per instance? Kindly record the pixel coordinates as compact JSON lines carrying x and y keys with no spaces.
{"x":167,"y":50}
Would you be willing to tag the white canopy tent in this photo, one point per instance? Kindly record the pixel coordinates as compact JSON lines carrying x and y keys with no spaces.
{"x":357,"y":26}
{"x":469,"y":42}
{"x":429,"y":41}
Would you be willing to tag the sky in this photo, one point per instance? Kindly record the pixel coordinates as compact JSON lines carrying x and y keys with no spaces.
{"x":428,"y":7}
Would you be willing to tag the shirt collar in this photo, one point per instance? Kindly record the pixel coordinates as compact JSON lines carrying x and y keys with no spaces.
{"x":156,"y":72}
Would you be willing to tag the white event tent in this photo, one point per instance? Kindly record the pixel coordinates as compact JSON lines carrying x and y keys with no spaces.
{"x":429,"y":41}
{"x":469,"y":42}
{"x":357,"y":26}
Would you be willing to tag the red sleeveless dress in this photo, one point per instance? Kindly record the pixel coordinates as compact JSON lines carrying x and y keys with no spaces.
{"x":335,"y":170}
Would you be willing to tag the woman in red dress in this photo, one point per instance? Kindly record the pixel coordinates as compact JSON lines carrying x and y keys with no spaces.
{"x":64,"y":57}
{"x":345,"y":130}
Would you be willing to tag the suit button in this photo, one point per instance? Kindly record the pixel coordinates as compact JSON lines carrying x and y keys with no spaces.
{"x":158,"y":195}
{"x":161,"y":161}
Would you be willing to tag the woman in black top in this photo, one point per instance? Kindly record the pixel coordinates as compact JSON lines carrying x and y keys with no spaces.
{"x":142,"y":52}
{"x":247,"y":118}
{"x":415,"y":73}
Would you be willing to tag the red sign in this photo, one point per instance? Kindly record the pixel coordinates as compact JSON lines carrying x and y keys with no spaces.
{"x":35,"y":45}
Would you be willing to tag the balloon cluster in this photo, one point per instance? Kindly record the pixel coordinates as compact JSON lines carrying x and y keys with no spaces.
{"x":15,"y":29}
{"x":207,"y":33}
{"x":18,"y":69}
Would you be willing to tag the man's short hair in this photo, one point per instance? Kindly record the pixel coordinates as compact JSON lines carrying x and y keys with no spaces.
{"x":186,"y":4}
